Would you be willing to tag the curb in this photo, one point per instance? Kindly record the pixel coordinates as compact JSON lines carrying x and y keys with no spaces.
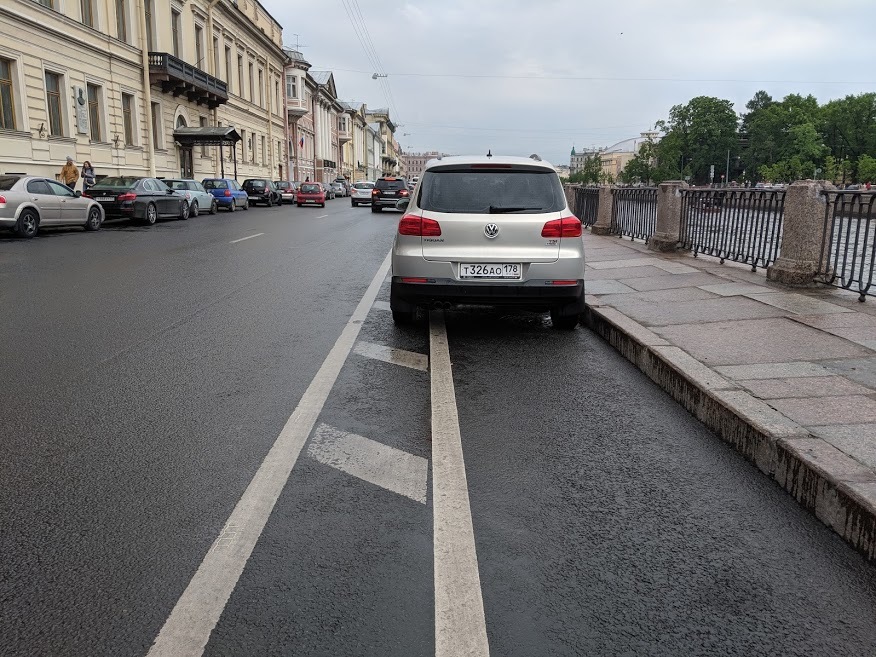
{"x":837,"y":489}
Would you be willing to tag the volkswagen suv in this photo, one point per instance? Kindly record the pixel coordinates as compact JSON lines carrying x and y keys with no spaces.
{"x":488,"y":231}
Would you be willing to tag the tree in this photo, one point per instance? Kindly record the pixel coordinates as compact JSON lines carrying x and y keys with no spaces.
{"x":590,"y":173}
{"x":849,"y":126}
{"x":866,"y":169}
{"x":640,"y":169}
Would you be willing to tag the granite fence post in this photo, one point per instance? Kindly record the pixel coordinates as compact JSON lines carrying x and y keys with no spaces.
{"x":666,"y":232}
{"x":802,"y":233}
{"x":603,"y":217}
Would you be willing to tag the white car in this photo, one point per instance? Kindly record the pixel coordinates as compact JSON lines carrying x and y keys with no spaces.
{"x":488,"y":231}
{"x":360,"y":193}
{"x":200,"y":200}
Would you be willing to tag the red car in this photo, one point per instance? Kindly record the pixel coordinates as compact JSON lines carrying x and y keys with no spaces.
{"x":311,"y":193}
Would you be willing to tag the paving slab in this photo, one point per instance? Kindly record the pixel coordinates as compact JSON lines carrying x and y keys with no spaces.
{"x":669,"y":281}
{"x":804,"y":386}
{"x":856,"y":440}
{"x":606,"y":287}
{"x":631,"y":262}
{"x":811,"y":412}
{"x":798,"y":303}
{"x":661,"y":296}
{"x":838,"y":320}
{"x":662,"y":313}
{"x":623,"y":272}
{"x":677,"y":268}
{"x":734,"y":289}
{"x":774,"y":370}
{"x":751,"y":341}
{"x":862,"y":370}
{"x":611,"y":255}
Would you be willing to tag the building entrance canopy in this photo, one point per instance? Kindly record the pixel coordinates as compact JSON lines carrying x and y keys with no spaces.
{"x":210,"y":136}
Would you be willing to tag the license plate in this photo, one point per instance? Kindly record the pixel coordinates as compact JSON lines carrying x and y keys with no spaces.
{"x":105,"y":198}
{"x":492,"y":270}
{"x":389,"y":193}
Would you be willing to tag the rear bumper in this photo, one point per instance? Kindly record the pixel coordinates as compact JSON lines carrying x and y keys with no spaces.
{"x":386,"y":202}
{"x":224,"y":200}
{"x":361,"y":199}
{"x":531,"y":295}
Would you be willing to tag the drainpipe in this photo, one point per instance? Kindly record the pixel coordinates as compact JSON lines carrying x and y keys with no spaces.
{"x":215,"y":110}
{"x":147,"y":89}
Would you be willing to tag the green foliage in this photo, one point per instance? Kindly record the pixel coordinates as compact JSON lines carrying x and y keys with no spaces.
{"x":591,"y":172}
{"x":866,"y":168}
{"x":641,"y":168}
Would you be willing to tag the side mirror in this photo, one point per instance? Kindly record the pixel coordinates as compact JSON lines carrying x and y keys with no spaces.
{"x":77,"y":194}
{"x":402,"y":204}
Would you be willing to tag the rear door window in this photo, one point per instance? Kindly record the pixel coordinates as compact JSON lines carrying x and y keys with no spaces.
{"x":38,"y":187}
{"x":515,"y":191}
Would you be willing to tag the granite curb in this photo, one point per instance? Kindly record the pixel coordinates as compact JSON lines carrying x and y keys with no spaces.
{"x":840,"y":491}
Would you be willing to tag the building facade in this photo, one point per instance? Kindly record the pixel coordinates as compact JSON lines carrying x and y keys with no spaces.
{"x":135,"y":87}
{"x":415,"y":162}
{"x":390,"y":151}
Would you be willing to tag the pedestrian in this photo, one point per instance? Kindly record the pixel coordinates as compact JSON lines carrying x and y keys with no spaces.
{"x":868,"y":185}
{"x":87,"y":176}
{"x":69,"y":173}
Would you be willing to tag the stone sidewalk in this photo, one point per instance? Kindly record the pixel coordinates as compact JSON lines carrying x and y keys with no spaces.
{"x":787,"y":376}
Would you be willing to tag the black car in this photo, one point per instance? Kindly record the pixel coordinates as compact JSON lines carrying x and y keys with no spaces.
{"x":143,"y":199}
{"x":262,"y":190}
{"x":387,"y":191}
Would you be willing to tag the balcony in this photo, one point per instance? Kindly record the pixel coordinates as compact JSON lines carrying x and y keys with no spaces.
{"x":181,"y":79}
{"x":344,"y":136}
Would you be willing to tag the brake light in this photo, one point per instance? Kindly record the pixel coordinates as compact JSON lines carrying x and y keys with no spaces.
{"x":375,"y":192}
{"x":2,"y":200}
{"x":227,"y":192}
{"x":566,"y":227}
{"x":411,"y":224}
{"x":87,"y":194}
{"x":415,"y":280}
{"x":127,"y":196}
{"x":404,"y":192}
{"x":569,"y":282}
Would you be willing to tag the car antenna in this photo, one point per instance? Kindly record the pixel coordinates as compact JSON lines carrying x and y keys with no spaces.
{"x":489,"y":153}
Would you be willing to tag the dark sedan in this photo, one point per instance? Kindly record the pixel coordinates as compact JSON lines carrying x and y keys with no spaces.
{"x":143,"y":199}
{"x":261,"y":190}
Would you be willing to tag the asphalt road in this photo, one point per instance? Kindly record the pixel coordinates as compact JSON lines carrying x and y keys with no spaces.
{"x":147,"y":372}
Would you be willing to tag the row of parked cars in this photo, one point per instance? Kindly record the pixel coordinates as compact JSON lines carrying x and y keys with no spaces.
{"x":30,"y":202}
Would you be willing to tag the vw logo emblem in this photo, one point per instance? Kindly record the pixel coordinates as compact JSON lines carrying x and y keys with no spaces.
{"x":491,"y":230}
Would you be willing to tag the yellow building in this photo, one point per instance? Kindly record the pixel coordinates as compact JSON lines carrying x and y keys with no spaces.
{"x":141,"y":87}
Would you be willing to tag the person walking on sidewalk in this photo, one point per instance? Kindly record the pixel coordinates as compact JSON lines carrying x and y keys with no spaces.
{"x":87,"y":176}
{"x":69,"y":173}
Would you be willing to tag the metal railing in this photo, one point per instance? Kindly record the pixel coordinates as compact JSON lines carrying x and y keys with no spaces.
{"x":634,"y":212}
{"x":585,"y":204}
{"x":735,"y":224}
{"x":848,"y":248}
{"x":176,"y":69}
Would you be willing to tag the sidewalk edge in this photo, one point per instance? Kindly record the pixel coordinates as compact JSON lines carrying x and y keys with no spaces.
{"x":835,"y":488}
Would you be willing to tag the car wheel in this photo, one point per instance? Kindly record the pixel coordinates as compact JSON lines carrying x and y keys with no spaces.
{"x":214,"y":206}
{"x":233,"y":206}
{"x":322,"y":205}
{"x":376,"y":208}
{"x":246,"y":204}
{"x":194,"y":210}
{"x":563,"y":322}
{"x":151,"y":214}
{"x":270,"y":203}
{"x":298,"y":204}
{"x":93,"y":221}
{"x":352,"y":203}
{"x":28,"y":223}
{"x":403,"y":317}
{"x":184,"y":210}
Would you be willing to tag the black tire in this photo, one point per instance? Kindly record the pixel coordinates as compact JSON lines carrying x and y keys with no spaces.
{"x":194,"y":210}
{"x":233,"y":206}
{"x":184,"y":210}
{"x":28,"y":224}
{"x":151,"y":215}
{"x":376,"y":208}
{"x":298,"y":204}
{"x":403,"y":317}
{"x":94,"y":219}
{"x":214,"y":206}
{"x":353,"y":203}
{"x":270,"y":203}
{"x":563,"y":322}
{"x":246,"y":204}
{"x":322,"y":206}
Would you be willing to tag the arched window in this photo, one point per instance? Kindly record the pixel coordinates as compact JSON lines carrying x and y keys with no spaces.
{"x":181,"y":122}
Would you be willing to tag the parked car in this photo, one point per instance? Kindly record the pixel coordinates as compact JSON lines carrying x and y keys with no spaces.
{"x":262,"y":190}
{"x":287,"y":190}
{"x":387,"y":191}
{"x":327,"y":188}
{"x":345,"y":183}
{"x":27,"y":203}
{"x":198,"y":197}
{"x":507,"y":238}
{"x":311,"y":193}
{"x":339,"y":189}
{"x":360,"y":194}
{"x":143,"y":199}
{"x":227,"y":192}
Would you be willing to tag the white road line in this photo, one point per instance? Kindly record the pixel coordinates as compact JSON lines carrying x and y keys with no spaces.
{"x":322,"y":216}
{"x":248,"y":237}
{"x":187,"y":630}
{"x":460,"y":627}
{"x":394,"y":356}
{"x":382,"y":305}
{"x":371,"y":461}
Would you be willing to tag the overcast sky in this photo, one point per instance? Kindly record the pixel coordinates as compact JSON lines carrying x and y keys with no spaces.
{"x":641,"y":58}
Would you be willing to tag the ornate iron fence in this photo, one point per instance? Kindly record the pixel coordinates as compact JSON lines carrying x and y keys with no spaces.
{"x":634,"y":212}
{"x":848,"y":248}
{"x":585,"y":204}
{"x":733,"y":224}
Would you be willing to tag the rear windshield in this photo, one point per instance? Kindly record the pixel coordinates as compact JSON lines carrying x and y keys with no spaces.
{"x":118,"y":182}
{"x":215,"y":184}
{"x":392,"y":185}
{"x":483,"y":192}
{"x":176,"y":184}
{"x":282,"y":185}
{"x":363,"y":185}
{"x":6,"y":182}
{"x":255,"y":183}
{"x":308,"y":188}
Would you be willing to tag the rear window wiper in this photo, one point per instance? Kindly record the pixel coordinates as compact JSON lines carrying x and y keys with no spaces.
{"x":501,"y":209}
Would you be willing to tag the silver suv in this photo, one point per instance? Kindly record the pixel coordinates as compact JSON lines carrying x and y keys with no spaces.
{"x":488,"y":231}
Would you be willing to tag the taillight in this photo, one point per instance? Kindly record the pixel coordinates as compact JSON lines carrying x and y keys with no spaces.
{"x":411,"y":224}
{"x":2,"y":200}
{"x":566,"y":227}
{"x":127,"y":196}
{"x":227,"y":192}
{"x":87,"y":194}
{"x":404,"y":192}
{"x":374,"y":192}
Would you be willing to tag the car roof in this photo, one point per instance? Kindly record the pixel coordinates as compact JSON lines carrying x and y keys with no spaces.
{"x":483,"y":159}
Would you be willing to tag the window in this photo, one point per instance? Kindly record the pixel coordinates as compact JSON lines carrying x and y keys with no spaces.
{"x":203,"y":123}
{"x":216,"y":65}
{"x":53,"y":99}
{"x":128,"y":118}
{"x":39,"y":187}
{"x":93,"y":111}
{"x":240,"y":86}
{"x":121,"y":21}
{"x":228,"y":67}
{"x":156,"y":125}
{"x":291,"y":86}
{"x":261,"y":88}
{"x":251,"y":84}
{"x":150,"y":25}
{"x":7,"y":98}
{"x":276,"y":97}
{"x":175,"y":30}
{"x":264,"y":152}
{"x":243,"y":145}
{"x":475,"y":191}
{"x":199,"y":47}
{"x":58,"y":189}
{"x":87,"y":7}
{"x":46,"y":3}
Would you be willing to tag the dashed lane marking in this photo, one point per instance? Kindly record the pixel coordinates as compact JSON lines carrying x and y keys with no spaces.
{"x":371,"y":461}
{"x":248,"y":237}
{"x":394,"y":356}
{"x":460,"y":627}
{"x":322,"y":216}
{"x":188,"y":628}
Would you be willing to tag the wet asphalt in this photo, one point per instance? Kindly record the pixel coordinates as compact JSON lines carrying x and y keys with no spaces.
{"x":146,"y":372}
